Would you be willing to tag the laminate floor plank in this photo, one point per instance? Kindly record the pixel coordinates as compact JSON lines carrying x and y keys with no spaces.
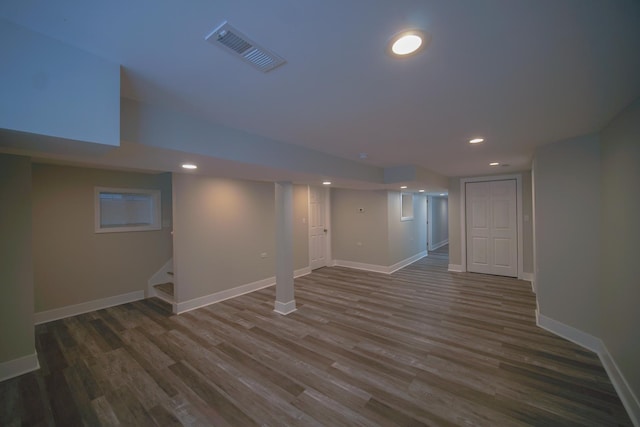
{"x":422,"y":346}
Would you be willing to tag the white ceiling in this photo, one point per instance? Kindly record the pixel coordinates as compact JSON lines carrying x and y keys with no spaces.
{"x":518,"y":73}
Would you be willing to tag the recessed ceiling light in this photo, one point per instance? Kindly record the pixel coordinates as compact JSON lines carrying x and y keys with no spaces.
{"x":326,"y":183}
{"x":407,"y":43}
{"x":494,"y":164}
{"x":189,"y":166}
{"x":403,"y":187}
{"x":476,"y":140}
{"x":442,"y":194}
{"x":420,"y":191}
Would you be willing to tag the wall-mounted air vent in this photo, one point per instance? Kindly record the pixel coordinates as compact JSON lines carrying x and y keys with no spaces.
{"x":236,"y":43}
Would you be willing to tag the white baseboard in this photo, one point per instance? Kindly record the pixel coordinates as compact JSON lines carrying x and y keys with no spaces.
{"x":529,"y":277}
{"x":301,"y":272}
{"x":380,"y":268}
{"x":595,"y":344}
{"x":405,"y":262}
{"x":16,"y":367}
{"x":626,"y":394}
{"x":285,"y":307}
{"x":85,"y":307}
{"x":185,"y":306}
{"x":456,"y":268}
{"x":439,"y":245}
{"x":526,"y":276}
{"x":192,"y":304}
{"x":570,"y":333}
{"x":360,"y":266}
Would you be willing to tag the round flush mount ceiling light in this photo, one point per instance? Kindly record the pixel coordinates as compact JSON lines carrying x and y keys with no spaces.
{"x":494,"y":164}
{"x":189,"y":166}
{"x":476,"y":140}
{"x":326,"y":183}
{"x":407,"y":43}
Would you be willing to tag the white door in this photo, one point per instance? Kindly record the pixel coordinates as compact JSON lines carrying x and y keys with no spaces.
{"x":317,"y":228}
{"x":492,"y":237}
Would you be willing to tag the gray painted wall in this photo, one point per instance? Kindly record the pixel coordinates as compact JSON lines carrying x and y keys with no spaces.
{"x":72,"y":263}
{"x":221,"y":228}
{"x":16,"y":274}
{"x":376,"y":236}
{"x":439,"y":220}
{"x":359,"y":236}
{"x":620,"y":231}
{"x":567,"y":231}
{"x":527,"y":222}
{"x":406,"y":238}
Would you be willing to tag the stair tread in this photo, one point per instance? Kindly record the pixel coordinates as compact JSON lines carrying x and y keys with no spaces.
{"x":166,"y":288}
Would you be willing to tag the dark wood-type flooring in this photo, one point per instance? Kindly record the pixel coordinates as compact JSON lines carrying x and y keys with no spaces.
{"x":422,"y":346}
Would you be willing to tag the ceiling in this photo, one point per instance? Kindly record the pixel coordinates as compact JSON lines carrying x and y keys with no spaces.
{"x":517,"y":73}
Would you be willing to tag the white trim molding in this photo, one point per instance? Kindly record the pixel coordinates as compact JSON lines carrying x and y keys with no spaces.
{"x":162,"y":275}
{"x":85,"y":307}
{"x":463,"y":215}
{"x":439,"y":245}
{"x":361,"y":266}
{"x":405,"y":262}
{"x":530,"y":277}
{"x":301,"y":272}
{"x":16,"y":367}
{"x":626,"y":394}
{"x":380,"y":268}
{"x":192,"y":304}
{"x":159,"y":277}
{"x":285,"y":308}
{"x":570,"y":333}
{"x":326,"y":192}
{"x":456,"y":268}
{"x":182,"y":307}
{"x":595,"y":344}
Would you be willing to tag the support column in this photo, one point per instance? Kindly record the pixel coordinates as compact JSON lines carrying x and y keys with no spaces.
{"x":285,"y":299}
{"x":17,"y":339}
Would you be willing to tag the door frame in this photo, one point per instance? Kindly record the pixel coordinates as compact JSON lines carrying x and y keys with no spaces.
{"x":463,"y":215}
{"x":327,"y":216}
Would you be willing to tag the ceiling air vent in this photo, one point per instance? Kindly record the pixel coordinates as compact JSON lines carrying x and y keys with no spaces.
{"x":236,"y":43}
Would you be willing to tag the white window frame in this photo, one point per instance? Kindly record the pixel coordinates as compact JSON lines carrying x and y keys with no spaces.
{"x":406,"y":216}
{"x":156,"y":223}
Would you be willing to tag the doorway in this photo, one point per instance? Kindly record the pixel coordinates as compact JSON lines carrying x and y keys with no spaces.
{"x":491,"y":225}
{"x":319,"y":237}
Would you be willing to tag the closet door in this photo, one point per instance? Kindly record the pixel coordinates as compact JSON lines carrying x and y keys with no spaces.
{"x":492,"y":236}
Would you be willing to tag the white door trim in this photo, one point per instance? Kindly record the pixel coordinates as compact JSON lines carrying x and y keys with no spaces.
{"x":463,"y":214}
{"x":429,"y":223}
{"x":327,"y":221}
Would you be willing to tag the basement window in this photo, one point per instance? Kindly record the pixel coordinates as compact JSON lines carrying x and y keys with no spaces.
{"x":126,"y":209}
{"x":406,"y":207}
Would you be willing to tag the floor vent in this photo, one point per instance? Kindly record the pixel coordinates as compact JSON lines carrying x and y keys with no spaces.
{"x":236,"y":43}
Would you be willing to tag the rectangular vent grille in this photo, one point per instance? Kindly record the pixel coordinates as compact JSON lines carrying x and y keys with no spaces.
{"x":236,"y":43}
